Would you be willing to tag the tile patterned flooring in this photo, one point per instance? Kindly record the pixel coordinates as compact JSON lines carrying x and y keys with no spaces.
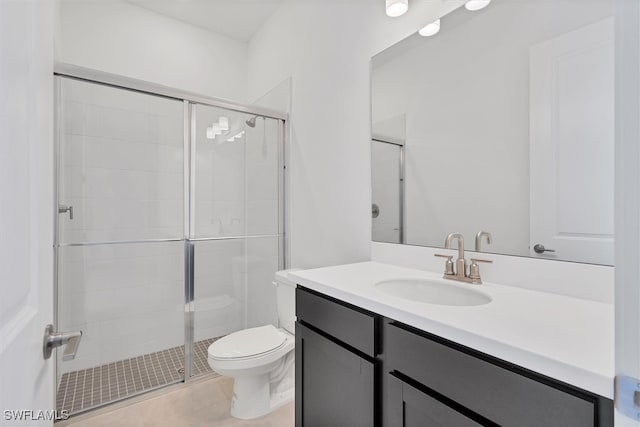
{"x":87,"y":388}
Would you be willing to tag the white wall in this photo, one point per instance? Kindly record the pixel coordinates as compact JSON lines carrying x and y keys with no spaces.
{"x":325,"y":47}
{"x":473,"y":131}
{"x":120,"y":38}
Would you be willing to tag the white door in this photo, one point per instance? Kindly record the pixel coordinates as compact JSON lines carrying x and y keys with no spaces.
{"x":572,"y":145}
{"x":26,"y":213}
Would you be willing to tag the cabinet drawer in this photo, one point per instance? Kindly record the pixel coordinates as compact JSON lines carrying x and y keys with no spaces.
{"x":498,"y":394}
{"x":349,"y":324}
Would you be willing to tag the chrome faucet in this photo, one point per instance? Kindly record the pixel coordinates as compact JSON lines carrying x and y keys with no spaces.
{"x":460,"y":272}
{"x":479,"y":237}
{"x":461,"y":263}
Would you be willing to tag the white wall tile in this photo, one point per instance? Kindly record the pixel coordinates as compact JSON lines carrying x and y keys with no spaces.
{"x":123,"y":182}
{"x":128,"y":299}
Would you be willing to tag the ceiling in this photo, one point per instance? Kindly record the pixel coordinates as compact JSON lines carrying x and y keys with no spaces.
{"x":238,"y":19}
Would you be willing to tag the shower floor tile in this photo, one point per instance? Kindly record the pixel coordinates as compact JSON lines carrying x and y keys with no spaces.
{"x":87,"y":388}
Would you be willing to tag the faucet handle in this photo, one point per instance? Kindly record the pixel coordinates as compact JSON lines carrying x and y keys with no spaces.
{"x":474,"y":269}
{"x":448,"y":266}
{"x":477,"y":260}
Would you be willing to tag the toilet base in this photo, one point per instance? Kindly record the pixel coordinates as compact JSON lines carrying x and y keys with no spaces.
{"x":252,"y":397}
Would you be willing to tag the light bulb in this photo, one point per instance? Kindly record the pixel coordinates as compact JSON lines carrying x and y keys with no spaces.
{"x":395,"y":8}
{"x":474,"y":5}
{"x":430,"y":29}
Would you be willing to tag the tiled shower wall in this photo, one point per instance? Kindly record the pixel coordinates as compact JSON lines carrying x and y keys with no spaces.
{"x":121,"y":164}
{"x":121,"y":168}
{"x":236,"y":183}
{"x":128,"y":299}
{"x":233,"y":288}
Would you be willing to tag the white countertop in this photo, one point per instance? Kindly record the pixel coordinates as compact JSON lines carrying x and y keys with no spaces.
{"x":569,"y":339}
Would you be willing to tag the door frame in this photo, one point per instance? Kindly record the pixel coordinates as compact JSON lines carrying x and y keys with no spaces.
{"x":400,"y":145}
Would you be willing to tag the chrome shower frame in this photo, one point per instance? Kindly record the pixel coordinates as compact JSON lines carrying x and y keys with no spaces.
{"x":189,"y":99}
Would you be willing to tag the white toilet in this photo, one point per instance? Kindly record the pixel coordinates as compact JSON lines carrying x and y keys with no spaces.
{"x":261,"y":360}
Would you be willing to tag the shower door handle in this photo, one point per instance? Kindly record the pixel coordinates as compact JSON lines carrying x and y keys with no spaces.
{"x":56,"y":339}
{"x":65,"y":209}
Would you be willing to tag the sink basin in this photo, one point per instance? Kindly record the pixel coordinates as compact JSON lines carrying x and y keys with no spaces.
{"x":433,"y":292}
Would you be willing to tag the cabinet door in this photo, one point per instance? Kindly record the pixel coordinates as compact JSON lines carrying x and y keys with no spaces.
{"x":410,"y":407}
{"x":334,"y":387}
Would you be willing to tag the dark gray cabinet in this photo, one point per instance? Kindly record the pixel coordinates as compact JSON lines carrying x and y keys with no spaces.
{"x":354,"y":367}
{"x":334,"y":387}
{"x":336,"y":367}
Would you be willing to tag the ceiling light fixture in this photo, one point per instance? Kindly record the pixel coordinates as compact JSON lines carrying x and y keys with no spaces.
{"x":474,"y":5}
{"x":395,"y":8}
{"x":430,"y":29}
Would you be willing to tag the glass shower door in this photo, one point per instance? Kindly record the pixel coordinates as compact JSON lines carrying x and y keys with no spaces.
{"x":236,"y":222}
{"x":119,"y":246}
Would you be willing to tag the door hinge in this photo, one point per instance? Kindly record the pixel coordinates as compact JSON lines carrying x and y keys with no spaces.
{"x":627,"y":396}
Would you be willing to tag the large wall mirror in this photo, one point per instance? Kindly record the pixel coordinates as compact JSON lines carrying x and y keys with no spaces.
{"x":502,"y":123}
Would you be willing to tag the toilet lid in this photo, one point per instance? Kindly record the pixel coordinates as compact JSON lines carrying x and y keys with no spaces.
{"x":248,"y":342}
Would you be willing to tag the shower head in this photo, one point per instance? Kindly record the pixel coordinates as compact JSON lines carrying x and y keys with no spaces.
{"x":251,"y":122}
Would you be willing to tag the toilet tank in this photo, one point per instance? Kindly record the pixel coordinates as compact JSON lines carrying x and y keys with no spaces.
{"x":286,"y":299}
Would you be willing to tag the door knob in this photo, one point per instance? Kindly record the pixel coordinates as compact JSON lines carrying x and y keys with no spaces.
{"x":375,"y":211}
{"x":540,"y":249}
{"x":56,"y":339}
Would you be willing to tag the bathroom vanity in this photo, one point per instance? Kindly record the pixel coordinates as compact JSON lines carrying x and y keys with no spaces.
{"x":365,"y":358}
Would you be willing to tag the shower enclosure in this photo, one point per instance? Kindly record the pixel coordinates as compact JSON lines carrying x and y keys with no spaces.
{"x":169,"y":227}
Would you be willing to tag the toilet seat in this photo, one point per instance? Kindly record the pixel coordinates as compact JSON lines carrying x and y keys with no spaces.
{"x":248,"y":344}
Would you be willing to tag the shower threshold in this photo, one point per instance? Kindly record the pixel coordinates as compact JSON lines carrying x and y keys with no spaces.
{"x":90,"y":388}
